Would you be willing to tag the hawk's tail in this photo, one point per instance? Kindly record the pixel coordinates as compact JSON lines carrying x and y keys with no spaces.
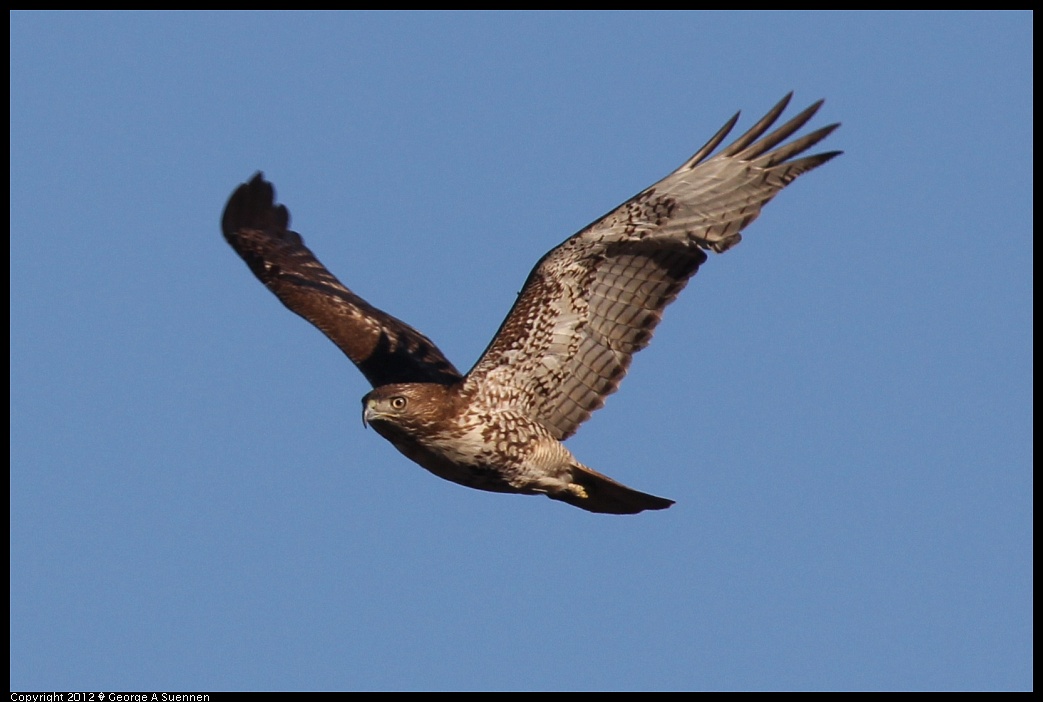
{"x":595,"y":492}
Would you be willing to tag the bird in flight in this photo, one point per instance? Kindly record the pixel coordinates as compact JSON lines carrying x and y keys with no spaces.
{"x":586,"y":308}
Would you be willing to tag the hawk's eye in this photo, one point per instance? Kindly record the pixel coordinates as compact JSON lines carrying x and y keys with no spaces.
{"x":398,"y":402}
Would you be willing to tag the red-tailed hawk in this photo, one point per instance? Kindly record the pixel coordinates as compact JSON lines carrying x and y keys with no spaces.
{"x":587,"y":307}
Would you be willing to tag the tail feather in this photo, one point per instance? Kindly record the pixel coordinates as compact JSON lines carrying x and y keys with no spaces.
{"x":595,"y":492}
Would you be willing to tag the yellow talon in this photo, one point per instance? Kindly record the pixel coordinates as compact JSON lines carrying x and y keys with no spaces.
{"x":578,"y":491}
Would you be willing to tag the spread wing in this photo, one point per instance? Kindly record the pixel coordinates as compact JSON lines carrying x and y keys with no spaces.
{"x":385,"y":349}
{"x":595,"y":300}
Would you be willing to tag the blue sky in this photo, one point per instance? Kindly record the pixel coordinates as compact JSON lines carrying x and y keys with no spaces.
{"x":841,"y":406}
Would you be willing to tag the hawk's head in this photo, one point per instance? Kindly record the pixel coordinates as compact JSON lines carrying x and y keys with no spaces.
{"x":409,"y":407}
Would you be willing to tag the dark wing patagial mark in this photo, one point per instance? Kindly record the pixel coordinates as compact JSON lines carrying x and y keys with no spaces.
{"x":595,"y":300}
{"x":384,"y":348}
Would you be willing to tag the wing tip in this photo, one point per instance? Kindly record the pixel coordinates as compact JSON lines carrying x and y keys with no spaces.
{"x":761,"y":138}
{"x":252,"y":206}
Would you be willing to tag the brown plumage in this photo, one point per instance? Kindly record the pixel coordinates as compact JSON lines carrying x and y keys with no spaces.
{"x":586,"y":308}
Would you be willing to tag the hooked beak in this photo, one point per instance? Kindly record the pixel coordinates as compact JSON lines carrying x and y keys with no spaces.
{"x":368,"y":414}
